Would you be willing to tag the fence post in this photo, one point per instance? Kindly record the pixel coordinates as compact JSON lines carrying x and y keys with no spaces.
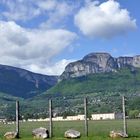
{"x":17,"y":118}
{"x":50,"y":113}
{"x":124,"y":116}
{"x":86,"y":121}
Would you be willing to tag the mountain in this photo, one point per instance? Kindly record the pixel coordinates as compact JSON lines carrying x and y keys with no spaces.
{"x":99,"y":72}
{"x":103,"y":90}
{"x":99,"y":63}
{"x":100,"y":77}
{"x":124,"y":81}
{"x":22,"y":83}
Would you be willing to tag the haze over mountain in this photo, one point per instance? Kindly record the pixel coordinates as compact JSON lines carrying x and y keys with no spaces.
{"x":22,"y":83}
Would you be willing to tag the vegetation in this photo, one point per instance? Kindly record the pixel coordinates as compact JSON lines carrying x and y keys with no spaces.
{"x":103,"y":91}
{"x":22,"y":83}
{"x":98,"y":130}
{"x":123,"y":81}
{"x":133,"y":114}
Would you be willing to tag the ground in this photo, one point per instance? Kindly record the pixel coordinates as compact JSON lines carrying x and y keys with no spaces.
{"x":98,"y":130}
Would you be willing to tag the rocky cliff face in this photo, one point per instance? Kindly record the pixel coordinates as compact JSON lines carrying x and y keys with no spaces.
{"x":99,"y":63}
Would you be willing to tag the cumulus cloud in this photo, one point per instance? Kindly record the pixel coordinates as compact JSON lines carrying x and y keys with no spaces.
{"x":20,"y":9}
{"x":58,"y":14}
{"x":47,"y":4}
{"x":53,"y":11}
{"x":105,"y":20}
{"x":50,"y":69}
{"x":31,"y":48}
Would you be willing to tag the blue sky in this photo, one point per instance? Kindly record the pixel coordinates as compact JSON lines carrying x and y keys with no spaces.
{"x":43,"y":36}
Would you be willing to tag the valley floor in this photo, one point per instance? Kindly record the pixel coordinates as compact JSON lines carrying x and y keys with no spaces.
{"x":98,"y":130}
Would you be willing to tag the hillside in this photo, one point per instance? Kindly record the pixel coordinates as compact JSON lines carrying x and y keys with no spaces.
{"x":22,"y":83}
{"x":124,"y":81}
{"x":98,"y":76}
{"x":103,"y":90}
{"x":101,"y":78}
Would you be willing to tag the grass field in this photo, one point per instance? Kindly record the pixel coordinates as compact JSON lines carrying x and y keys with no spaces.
{"x":98,"y":130}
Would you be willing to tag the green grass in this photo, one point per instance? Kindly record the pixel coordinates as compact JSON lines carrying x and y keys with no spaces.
{"x":98,"y":130}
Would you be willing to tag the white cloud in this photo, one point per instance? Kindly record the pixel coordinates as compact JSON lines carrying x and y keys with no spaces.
{"x":50,"y":69}
{"x":47,"y":4}
{"x":29,"y":47}
{"x":104,"y":20}
{"x":53,"y":11}
{"x":59,"y":14}
{"x":20,"y":10}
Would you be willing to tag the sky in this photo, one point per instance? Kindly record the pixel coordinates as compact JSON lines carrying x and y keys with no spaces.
{"x":43,"y":36}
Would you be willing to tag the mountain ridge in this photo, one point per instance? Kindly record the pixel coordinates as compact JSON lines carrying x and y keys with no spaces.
{"x":23,"y":83}
{"x":108,"y":85}
{"x":99,"y":63}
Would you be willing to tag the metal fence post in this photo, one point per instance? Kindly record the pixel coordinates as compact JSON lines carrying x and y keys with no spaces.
{"x":50,"y":113}
{"x":86,"y":121}
{"x":17,"y":118}
{"x":124,"y":116}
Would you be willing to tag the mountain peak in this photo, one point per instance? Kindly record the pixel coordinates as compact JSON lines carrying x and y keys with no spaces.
{"x":99,"y":62}
{"x":96,"y":56}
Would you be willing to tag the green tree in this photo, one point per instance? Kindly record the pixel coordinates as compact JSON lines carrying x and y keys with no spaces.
{"x":133,"y":114}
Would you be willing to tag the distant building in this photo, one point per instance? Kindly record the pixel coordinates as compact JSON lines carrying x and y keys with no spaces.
{"x":139,"y":115}
{"x":78,"y":117}
{"x":58,"y":119}
{"x":104,"y":116}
